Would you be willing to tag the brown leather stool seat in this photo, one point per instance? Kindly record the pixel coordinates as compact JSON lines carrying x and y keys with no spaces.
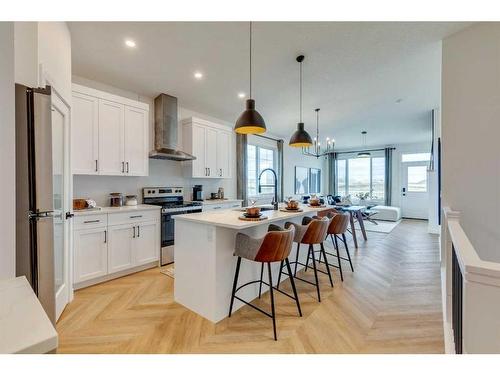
{"x":275,"y":246}
{"x":312,"y":232}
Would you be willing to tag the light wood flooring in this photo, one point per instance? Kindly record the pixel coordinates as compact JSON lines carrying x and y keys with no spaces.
{"x":390,"y":304}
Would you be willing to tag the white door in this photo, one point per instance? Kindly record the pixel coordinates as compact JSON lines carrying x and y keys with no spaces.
{"x":85,"y":134}
{"x":91,"y":255}
{"x":61,"y":180}
{"x":146,"y":244}
{"x":136,"y":141}
{"x":223,"y":154}
{"x":111,"y":160}
{"x":414,"y":190}
{"x":199,"y":140}
{"x":211,"y":152}
{"x":120,"y":247}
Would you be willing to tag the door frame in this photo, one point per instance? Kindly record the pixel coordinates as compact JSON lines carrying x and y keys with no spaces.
{"x":46,"y":79}
{"x":404,"y":181}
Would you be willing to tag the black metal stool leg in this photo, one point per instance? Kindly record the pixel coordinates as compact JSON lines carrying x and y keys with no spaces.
{"x":311,"y":249}
{"x":238,"y":263}
{"x":296,"y":260}
{"x":279,"y":275}
{"x":333,"y":243}
{"x":338,"y":259}
{"x":272,"y":299}
{"x":326,"y":263}
{"x":347,"y":251}
{"x":261,"y":274}
{"x":307,"y":261}
{"x":289,"y":269}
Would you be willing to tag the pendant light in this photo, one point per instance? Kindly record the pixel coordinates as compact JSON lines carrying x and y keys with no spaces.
{"x":364,"y":154}
{"x":250,"y":121}
{"x":317,"y":151}
{"x":300,"y":138}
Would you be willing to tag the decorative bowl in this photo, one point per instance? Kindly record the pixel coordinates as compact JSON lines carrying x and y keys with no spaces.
{"x":292,"y":204}
{"x":253,"y":211}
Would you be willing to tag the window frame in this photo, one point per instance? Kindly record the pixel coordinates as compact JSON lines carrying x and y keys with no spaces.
{"x":346,"y":177}
{"x":257,"y":168}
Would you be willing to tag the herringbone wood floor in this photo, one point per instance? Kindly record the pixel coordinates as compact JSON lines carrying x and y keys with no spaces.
{"x":391,"y":304}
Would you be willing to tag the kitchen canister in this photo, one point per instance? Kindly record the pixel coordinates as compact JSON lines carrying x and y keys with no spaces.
{"x":116,"y":199}
{"x":131,"y":200}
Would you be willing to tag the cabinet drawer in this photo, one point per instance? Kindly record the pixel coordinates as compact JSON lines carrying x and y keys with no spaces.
{"x":90,"y":221}
{"x":133,"y":217}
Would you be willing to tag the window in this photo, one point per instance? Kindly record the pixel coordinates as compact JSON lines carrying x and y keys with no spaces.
{"x":361,"y":175}
{"x":421,"y":156}
{"x":417,"y":179}
{"x":258,"y":159}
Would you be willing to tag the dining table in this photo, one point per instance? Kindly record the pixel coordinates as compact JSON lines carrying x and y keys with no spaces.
{"x":355,"y":213}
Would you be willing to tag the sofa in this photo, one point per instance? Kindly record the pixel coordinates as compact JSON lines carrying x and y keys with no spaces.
{"x":388,"y":213}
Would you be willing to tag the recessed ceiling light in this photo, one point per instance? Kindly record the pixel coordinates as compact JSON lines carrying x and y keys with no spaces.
{"x":198,"y":75}
{"x":399,"y":100}
{"x":241,"y":95}
{"x":130,"y":43}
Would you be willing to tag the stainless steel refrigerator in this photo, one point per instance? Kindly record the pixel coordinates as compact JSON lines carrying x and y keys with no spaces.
{"x":34,"y":193}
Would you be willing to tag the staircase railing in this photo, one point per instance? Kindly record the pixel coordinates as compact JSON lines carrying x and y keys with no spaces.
{"x":471,"y":288}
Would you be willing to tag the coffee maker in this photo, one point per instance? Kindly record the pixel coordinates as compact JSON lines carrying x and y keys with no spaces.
{"x":197,"y":192}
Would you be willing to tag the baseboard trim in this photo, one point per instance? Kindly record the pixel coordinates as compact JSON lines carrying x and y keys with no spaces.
{"x":102,"y":279}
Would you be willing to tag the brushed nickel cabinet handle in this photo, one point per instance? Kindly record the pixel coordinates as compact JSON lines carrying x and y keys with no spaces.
{"x":135,"y":216}
{"x":127,"y":166}
{"x":123,"y":167}
{"x":134,"y":233}
{"x":91,"y":221}
{"x":105,"y":236}
{"x":138,"y":231}
{"x":96,"y":166}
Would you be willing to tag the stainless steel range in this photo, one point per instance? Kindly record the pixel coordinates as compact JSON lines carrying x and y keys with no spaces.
{"x":172,"y":201}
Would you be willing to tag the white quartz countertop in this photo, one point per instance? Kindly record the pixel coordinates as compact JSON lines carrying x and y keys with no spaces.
{"x":229,"y":218}
{"x":112,"y":210}
{"x":24,"y":325}
{"x":219,"y":201}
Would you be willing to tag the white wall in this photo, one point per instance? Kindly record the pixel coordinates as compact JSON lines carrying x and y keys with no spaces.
{"x":7,"y":153}
{"x":292,"y":157}
{"x":26,"y":53}
{"x":161,"y":172}
{"x":54,"y":56}
{"x":471,"y":132}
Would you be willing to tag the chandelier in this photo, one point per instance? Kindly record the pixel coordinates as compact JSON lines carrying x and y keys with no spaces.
{"x":316,"y":150}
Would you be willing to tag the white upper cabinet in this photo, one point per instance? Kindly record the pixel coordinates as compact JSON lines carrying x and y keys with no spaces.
{"x":85,"y":129}
{"x":110,"y":134}
{"x":223,"y":154}
{"x":212,"y":144}
{"x":111,"y":156}
{"x":136,"y":141}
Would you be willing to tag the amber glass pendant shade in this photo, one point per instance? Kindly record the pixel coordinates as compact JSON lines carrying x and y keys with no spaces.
{"x":300,"y":138}
{"x":250,"y":121}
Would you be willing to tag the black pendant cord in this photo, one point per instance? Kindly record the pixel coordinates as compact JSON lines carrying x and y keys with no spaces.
{"x":300,"y":91}
{"x":250,"y":59}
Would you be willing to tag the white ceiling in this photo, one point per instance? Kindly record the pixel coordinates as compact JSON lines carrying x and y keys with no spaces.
{"x":353,"y":71}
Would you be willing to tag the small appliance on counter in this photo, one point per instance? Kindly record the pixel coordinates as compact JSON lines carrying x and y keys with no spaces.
{"x":220,"y":193}
{"x":115,"y":199}
{"x":197,"y":192}
{"x":131,"y":200}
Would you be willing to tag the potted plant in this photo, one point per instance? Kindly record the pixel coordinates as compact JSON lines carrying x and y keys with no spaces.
{"x":362,"y":198}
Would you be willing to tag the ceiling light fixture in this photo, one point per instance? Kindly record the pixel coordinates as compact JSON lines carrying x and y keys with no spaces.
{"x":317,"y":151}
{"x":130,"y":43}
{"x":250,"y":121}
{"x":241,"y":95}
{"x":198,"y":75}
{"x":364,"y":154}
{"x":300,"y":138}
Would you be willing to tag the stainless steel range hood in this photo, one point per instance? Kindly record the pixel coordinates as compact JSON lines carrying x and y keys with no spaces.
{"x":166,"y":146}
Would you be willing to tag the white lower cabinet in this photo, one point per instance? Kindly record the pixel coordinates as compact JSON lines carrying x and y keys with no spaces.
{"x":90,"y":255}
{"x":146,"y":247}
{"x":102,"y":251}
{"x":120,"y":247}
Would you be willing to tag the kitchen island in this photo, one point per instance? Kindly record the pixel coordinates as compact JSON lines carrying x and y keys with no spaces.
{"x":204,"y":261}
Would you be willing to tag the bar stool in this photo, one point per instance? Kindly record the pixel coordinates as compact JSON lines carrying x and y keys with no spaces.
{"x":337,"y":227}
{"x":311,"y":232}
{"x":275,"y":246}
